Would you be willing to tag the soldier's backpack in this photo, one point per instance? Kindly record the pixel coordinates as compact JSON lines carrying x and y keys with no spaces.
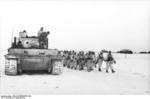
{"x":110,"y":58}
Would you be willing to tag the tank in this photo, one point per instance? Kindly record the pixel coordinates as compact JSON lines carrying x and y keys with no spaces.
{"x":31,"y":53}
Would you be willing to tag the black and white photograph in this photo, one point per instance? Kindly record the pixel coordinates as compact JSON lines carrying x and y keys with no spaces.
{"x":74,"y":47}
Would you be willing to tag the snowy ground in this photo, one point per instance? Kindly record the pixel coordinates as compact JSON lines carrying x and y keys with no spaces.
{"x":132,"y":77}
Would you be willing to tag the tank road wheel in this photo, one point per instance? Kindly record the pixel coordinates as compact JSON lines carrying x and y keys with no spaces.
{"x":57,"y":67}
{"x":10,"y":66}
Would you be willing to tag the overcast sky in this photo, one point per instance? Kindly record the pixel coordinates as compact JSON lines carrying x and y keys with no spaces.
{"x":79,"y":25}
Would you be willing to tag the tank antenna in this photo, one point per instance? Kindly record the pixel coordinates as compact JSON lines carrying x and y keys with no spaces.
{"x":12,"y":37}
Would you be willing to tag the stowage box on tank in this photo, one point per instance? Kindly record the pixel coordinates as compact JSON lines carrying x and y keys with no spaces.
{"x":32,"y":54}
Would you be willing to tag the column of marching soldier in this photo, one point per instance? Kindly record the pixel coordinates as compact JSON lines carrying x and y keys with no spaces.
{"x":88,"y":60}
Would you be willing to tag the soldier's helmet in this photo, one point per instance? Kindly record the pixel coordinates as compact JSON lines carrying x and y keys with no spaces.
{"x":24,"y":31}
{"x":42,"y":29}
{"x":101,"y":53}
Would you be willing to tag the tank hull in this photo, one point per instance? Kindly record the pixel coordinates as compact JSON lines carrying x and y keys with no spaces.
{"x":30,"y":63}
{"x":33,"y":60}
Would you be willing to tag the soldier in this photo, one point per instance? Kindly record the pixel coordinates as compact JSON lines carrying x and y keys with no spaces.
{"x":81,"y":61}
{"x":43,"y":40}
{"x":100,"y":59}
{"x":94,"y":59}
{"x":40,"y":31}
{"x":14,"y":45}
{"x":89,"y":62}
{"x":109,"y":62}
{"x":64,"y":58}
{"x":68,"y":61}
{"x":73,"y":62}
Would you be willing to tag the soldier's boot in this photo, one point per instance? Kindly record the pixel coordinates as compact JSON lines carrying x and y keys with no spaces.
{"x":89,"y":70}
{"x":68,"y":66}
{"x":64,"y":65}
{"x":106,"y":71}
{"x":75,"y":68}
{"x":99,"y":69}
{"x":113,"y":71}
{"x":81,"y":68}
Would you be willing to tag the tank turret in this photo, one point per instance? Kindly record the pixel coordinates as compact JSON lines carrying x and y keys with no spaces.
{"x":31,"y":42}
